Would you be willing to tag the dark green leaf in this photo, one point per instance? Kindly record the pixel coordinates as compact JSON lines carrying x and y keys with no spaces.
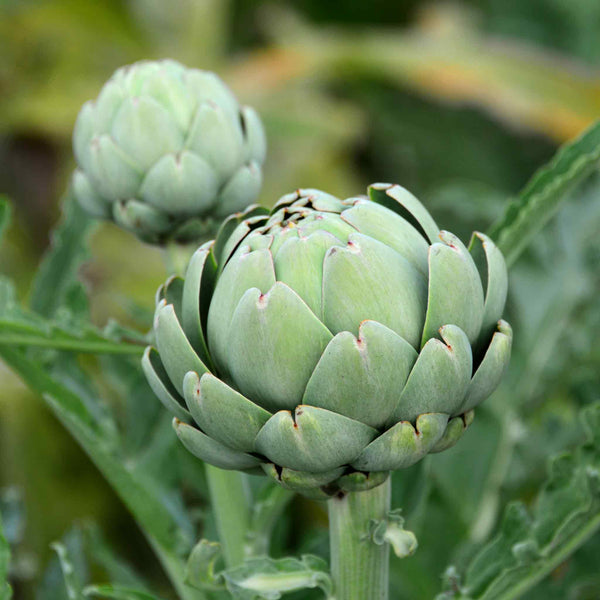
{"x":118,"y":592}
{"x":22,"y":327}
{"x":5,"y":215}
{"x":101,"y":553}
{"x":5,"y":589}
{"x":56,"y":279}
{"x":541,"y":197}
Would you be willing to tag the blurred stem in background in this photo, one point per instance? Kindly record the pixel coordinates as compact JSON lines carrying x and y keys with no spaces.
{"x":229,"y":500}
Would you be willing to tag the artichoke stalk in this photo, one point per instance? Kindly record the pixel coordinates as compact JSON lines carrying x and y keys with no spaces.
{"x":329,"y":342}
{"x":167,"y":152}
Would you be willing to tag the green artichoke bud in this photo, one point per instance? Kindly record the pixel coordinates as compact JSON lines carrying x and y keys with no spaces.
{"x":165,"y":150}
{"x":330,"y":341}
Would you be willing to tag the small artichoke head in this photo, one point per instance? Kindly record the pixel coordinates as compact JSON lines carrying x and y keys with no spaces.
{"x":167,"y":152}
{"x":329,"y":342}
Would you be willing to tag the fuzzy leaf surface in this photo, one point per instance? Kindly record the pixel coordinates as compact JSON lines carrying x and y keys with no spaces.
{"x":268,"y":579}
{"x":160,"y":519}
{"x":531,"y":545}
{"x":22,"y":327}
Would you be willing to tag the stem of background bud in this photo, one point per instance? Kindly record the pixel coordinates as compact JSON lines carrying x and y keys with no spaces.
{"x":359,"y":567}
{"x":177,"y":257}
{"x":230,"y":507}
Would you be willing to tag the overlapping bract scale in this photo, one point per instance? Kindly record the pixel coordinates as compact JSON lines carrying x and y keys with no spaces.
{"x":330,"y":341}
{"x":165,"y":149}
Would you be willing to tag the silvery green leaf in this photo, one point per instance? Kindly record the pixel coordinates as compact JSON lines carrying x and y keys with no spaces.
{"x":200,"y":568}
{"x":268,"y":579}
{"x":439,"y":378}
{"x":489,"y":373}
{"x":242,"y":272}
{"x":403,"y":444}
{"x":531,"y":544}
{"x":391,"y":531}
{"x":155,"y":512}
{"x":177,"y":354}
{"x":300,"y":481}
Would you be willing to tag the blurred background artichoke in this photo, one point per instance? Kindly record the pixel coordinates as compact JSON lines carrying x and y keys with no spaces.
{"x":458,"y":102}
{"x":167,"y":152}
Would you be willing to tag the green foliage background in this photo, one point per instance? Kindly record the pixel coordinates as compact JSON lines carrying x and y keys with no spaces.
{"x":458,"y":102}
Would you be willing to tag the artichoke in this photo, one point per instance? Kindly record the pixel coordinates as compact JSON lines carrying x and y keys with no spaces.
{"x":165,"y":151}
{"x":329,"y":342}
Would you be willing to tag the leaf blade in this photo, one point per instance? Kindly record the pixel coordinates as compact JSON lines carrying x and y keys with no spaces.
{"x":565,"y":516}
{"x":541,"y":197}
{"x":149,"y":507}
{"x":58,"y":269}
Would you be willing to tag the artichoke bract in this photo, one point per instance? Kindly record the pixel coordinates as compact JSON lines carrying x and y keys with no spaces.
{"x":166,"y":151}
{"x":329,"y":342}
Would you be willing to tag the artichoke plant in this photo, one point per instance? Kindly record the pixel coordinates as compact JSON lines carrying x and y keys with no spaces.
{"x":165,"y":151}
{"x":329,"y":342}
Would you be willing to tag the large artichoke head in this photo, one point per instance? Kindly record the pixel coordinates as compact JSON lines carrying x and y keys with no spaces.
{"x":330,"y":341}
{"x":165,"y":151}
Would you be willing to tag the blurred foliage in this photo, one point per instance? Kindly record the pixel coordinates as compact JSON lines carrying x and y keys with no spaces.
{"x":458,"y":102}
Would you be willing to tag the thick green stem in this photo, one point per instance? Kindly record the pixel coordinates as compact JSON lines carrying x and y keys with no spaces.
{"x":228,"y":499}
{"x":360,"y":568}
